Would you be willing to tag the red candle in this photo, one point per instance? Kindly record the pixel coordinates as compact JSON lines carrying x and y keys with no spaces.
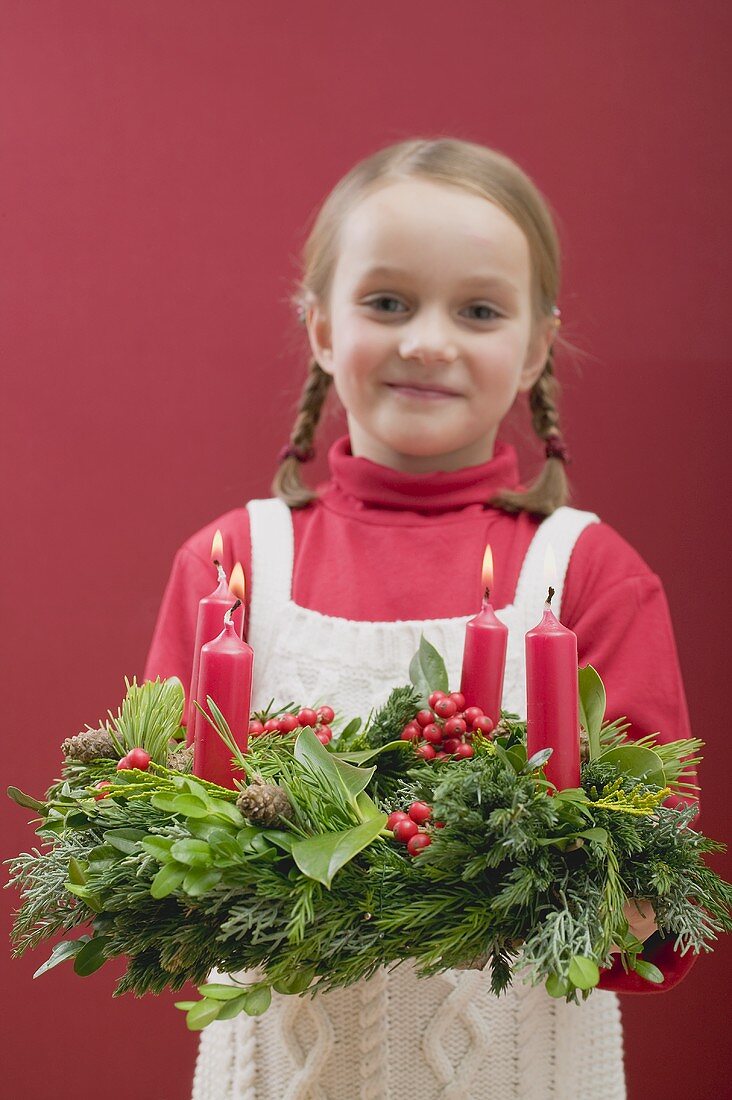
{"x":484,"y":655}
{"x":226,"y":668}
{"x":552,"y":698}
{"x":211,"y":611}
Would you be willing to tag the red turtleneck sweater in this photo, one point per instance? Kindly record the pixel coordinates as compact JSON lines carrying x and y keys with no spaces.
{"x":369,"y":514}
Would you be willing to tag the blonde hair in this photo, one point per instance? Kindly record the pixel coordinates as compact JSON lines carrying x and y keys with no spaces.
{"x":481,"y":171}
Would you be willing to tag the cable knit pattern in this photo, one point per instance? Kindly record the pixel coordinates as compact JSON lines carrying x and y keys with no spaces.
{"x":398,"y":1035}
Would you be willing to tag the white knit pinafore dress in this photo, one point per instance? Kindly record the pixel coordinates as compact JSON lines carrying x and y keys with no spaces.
{"x":397,"y":1036}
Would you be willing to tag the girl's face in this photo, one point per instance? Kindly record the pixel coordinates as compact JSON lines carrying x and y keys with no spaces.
{"x":428,"y":334}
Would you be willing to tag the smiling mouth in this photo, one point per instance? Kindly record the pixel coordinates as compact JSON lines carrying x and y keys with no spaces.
{"x":421,"y":392}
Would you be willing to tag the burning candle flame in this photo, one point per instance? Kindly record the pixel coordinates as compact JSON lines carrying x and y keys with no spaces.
{"x":237,"y":584}
{"x":487,"y":572}
{"x":217,"y":546}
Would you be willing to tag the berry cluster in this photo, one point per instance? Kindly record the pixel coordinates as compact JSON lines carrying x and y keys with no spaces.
{"x":406,"y":826}
{"x":445,"y":731}
{"x":136,"y":759}
{"x":318,"y":720}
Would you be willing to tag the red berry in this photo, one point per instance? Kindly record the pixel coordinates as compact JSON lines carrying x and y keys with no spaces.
{"x":417,"y":843}
{"x":426,"y":752}
{"x":435,"y":696}
{"x":439,"y":824}
{"x":325,"y":714}
{"x":450,"y":744}
{"x":124,"y":765}
{"x":424,"y":717}
{"x":445,"y":708}
{"x":272,"y":725}
{"x":255,"y":728}
{"x":420,"y":812}
{"x":455,"y":727}
{"x":307,"y":717}
{"x":138,"y":758}
{"x":405,"y":829}
{"x":471,"y":714}
{"x":287,"y":723}
{"x":483,"y":725}
{"x":413,"y":727}
{"x":104,"y":786}
{"x":464,"y":752}
{"x":397,"y":815}
{"x":432,"y":733}
{"x":458,"y":699}
{"x":324,"y":735}
{"x":441,"y":756}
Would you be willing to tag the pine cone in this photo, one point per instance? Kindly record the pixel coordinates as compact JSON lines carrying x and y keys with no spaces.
{"x":181,"y":760}
{"x":89,"y":745}
{"x":584,"y":746}
{"x":264,"y":803}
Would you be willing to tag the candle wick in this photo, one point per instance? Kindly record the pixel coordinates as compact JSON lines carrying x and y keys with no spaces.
{"x":228,"y":617}
{"x":220,"y":570}
{"x":487,"y":594}
{"x":549,"y":597}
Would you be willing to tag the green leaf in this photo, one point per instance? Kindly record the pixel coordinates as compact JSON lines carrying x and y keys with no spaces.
{"x":362,"y":756}
{"x":427,"y":670}
{"x":232,"y":1008}
{"x":186,"y":804}
{"x":158,"y":846}
{"x":76,"y":873}
{"x":280,"y":838}
{"x":556,"y":986}
{"x":592,"y":702}
{"x":538,"y":760}
{"x":67,"y":949}
{"x":185,"y":1005}
{"x":598,"y":836}
{"x":258,"y":1000}
{"x":86,"y":894}
{"x":125,"y":840}
{"x":168,"y":879}
{"x":296,"y":983}
{"x":91,"y":956}
{"x":320,"y":857}
{"x":583,"y":972}
{"x":200,"y":880}
{"x":648,"y":971}
{"x":638,"y":762}
{"x":334,"y":773}
{"x":221,"y":992}
{"x":26,"y":800}
{"x":194,"y":853}
{"x":203,"y":1013}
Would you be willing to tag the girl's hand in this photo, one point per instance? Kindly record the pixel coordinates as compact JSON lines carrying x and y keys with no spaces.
{"x":641,"y":919}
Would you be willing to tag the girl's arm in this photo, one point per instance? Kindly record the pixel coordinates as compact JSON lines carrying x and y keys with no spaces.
{"x":618,"y":609}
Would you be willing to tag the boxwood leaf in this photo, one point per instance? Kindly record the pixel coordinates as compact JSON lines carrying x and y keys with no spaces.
{"x":91,"y":956}
{"x":168,"y":879}
{"x":583,"y":972}
{"x":194,"y":853}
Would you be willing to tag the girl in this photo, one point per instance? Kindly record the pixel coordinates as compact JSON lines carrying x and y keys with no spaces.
{"x":429,"y":292}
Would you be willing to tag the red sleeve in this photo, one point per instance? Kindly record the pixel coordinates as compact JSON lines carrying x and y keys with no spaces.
{"x":193,"y":576}
{"x":617,"y":607}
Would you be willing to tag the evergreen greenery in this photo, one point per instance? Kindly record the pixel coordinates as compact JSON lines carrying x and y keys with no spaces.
{"x":167,"y":872}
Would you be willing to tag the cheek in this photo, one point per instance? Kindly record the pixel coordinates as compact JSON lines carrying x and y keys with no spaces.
{"x":359,"y":347}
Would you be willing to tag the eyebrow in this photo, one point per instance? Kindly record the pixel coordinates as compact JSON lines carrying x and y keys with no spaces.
{"x":385,"y":271}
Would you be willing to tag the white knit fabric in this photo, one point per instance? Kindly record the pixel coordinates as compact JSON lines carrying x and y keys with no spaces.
{"x":398,"y":1035}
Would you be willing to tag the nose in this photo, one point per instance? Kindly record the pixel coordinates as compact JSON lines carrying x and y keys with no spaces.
{"x":428,"y":339}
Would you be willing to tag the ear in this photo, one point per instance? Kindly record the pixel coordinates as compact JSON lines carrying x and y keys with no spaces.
{"x":319,"y":335}
{"x":537,"y":355}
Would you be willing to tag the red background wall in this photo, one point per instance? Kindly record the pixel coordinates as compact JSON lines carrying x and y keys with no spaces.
{"x":161,"y":162}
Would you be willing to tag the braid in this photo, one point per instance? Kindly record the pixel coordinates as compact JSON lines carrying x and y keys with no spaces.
{"x":551,"y":489}
{"x":287,"y":484}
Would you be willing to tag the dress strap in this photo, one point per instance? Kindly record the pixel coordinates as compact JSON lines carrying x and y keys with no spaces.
{"x":560,"y":530}
{"x":273,"y":549}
